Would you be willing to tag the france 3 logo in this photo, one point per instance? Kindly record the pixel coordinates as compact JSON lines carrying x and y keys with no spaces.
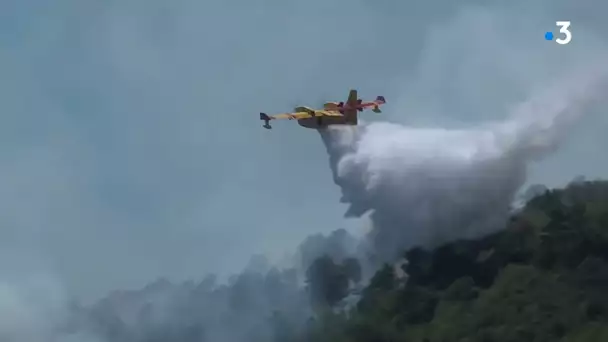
{"x":564,"y":30}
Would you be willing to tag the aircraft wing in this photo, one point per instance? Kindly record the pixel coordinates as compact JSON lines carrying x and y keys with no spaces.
{"x":296,"y":116}
{"x":328,"y":113}
{"x":291,"y":116}
{"x":304,"y":115}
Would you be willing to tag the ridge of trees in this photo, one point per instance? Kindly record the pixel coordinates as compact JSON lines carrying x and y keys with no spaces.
{"x":544,"y":279}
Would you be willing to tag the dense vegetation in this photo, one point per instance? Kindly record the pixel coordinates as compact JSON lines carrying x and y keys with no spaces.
{"x":543,"y":278}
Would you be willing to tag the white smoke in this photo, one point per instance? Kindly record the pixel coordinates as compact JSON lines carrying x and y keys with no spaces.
{"x":30,"y":308}
{"x":429,"y":186}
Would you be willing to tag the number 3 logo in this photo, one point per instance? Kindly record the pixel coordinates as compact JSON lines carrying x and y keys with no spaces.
{"x":563,"y":28}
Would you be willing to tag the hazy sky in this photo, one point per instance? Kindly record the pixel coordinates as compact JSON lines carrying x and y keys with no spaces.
{"x":131,"y":145}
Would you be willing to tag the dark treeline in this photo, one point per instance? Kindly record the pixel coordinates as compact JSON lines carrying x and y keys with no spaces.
{"x":542,"y":278}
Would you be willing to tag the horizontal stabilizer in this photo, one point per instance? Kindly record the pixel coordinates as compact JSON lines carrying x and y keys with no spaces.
{"x":266,"y":120}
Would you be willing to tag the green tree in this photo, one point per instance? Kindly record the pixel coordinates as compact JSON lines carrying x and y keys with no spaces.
{"x":327,"y":281}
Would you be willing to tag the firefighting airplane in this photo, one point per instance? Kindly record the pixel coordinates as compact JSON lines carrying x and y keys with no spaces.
{"x":334,"y":113}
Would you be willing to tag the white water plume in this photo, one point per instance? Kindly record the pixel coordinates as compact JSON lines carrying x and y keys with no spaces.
{"x":429,"y":186}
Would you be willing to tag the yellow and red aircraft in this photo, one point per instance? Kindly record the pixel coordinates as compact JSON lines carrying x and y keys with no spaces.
{"x":334,"y":113}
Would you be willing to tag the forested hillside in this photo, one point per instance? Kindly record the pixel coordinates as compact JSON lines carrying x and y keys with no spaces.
{"x":543,"y":278}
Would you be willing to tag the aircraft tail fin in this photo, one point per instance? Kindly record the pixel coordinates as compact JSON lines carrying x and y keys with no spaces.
{"x":264,"y":117}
